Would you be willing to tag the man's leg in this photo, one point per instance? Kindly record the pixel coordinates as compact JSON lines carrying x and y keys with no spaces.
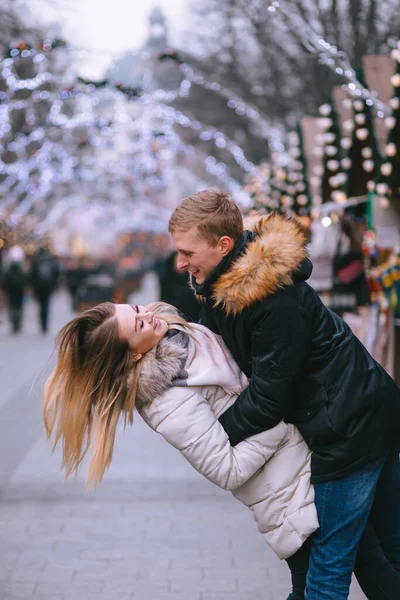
{"x":378,"y":579}
{"x":343,"y":508}
{"x":385,"y":512}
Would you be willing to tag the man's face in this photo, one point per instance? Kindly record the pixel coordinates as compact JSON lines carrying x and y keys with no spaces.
{"x":195,"y":254}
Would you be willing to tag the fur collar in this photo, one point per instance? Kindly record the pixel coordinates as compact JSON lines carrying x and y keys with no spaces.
{"x":161,"y":367}
{"x":269,"y":263}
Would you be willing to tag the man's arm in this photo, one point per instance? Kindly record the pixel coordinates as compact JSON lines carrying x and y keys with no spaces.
{"x":280,"y":342}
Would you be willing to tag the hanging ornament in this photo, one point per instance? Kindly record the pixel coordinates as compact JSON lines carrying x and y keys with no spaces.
{"x":362,"y":133}
{"x":386,"y":169}
{"x":391,"y":149}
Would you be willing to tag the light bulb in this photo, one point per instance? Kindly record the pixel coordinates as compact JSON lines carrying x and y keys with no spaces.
{"x":381,"y":188}
{"x":390,"y":122}
{"x":329,"y":138}
{"x":346,"y":163}
{"x":366,"y":152}
{"x":331,"y":150}
{"x":371,"y":185}
{"x":326,"y":221}
{"x":317,"y":199}
{"x":368,"y":165}
{"x":394,"y":103}
{"x":318,"y":151}
{"x":315,"y":181}
{"x":333,"y":182}
{"x":332,"y":165}
{"x":347,"y":103}
{"x":386,"y":169}
{"x":346,"y":143}
{"x":318,"y":170}
{"x":339,"y":196}
{"x":325,"y":110}
{"x":395,"y":54}
{"x":395,"y":80}
{"x":348,"y":125}
{"x":302,"y":200}
{"x":360,"y":118}
{"x":384,"y":202}
{"x":362,"y":133}
{"x":358,"y":105}
{"x":324,"y":123}
{"x":391,"y":149}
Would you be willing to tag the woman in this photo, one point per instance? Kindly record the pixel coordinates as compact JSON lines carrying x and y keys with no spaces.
{"x":181,"y":378}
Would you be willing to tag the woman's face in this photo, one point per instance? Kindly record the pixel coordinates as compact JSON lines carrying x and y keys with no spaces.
{"x":140,"y":328}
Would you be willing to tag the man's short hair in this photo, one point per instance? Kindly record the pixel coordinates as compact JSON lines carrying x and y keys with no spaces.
{"x":214,"y":213}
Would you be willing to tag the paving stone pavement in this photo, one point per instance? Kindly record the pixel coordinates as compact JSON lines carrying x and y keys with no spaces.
{"x":155,"y":529}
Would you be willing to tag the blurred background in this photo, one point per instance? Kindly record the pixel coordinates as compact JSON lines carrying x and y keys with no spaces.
{"x":110,"y":114}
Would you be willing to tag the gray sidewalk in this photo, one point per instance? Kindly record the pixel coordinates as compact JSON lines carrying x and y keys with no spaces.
{"x":154,"y":530}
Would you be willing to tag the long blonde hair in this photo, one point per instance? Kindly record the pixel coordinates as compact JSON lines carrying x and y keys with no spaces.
{"x":94,"y":382}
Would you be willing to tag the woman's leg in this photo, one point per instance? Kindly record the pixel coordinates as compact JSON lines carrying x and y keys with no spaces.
{"x":378,"y":579}
{"x":298,"y":565}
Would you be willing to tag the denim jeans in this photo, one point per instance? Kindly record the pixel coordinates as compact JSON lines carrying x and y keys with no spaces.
{"x":343,"y":507}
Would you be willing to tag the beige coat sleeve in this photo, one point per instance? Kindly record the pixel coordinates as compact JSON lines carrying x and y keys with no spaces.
{"x":195,"y":431}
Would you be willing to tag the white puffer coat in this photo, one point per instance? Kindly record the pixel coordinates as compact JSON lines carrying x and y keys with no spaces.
{"x":184,"y":386}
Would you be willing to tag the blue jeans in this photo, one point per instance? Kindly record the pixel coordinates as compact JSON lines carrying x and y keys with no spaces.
{"x":344,"y":507}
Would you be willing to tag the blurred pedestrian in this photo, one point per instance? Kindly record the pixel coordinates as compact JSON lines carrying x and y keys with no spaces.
{"x":44,"y":278}
{"x":14,"y":282}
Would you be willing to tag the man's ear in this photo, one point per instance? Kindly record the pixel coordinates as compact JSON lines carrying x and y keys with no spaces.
{"x":225,"y":245}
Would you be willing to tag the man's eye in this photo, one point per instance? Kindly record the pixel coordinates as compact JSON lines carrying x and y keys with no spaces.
{"x":141,"y":325}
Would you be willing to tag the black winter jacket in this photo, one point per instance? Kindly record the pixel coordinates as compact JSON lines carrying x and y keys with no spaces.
{"x":304,"y":363}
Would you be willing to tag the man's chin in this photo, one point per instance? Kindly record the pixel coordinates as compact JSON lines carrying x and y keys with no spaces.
{"x":199,"y":279}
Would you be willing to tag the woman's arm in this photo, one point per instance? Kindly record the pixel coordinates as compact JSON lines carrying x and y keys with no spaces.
{"x":194,"y":430}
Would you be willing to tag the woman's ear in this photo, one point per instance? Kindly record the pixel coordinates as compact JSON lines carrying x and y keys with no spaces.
{"x":137,"y":357}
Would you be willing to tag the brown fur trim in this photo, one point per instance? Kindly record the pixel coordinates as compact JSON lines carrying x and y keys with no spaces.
{"x":267,"y":265}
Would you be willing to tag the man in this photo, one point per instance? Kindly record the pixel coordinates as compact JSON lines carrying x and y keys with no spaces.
{"x":305,"y":366}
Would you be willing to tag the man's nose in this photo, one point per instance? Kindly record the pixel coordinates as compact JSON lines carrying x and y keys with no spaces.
{"x":182,"y":262}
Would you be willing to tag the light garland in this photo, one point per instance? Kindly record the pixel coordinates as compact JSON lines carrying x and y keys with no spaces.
{"x":329,"y":55}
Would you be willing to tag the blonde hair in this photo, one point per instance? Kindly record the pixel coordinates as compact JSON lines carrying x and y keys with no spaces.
{"x":214,"y":213}
{"x":94,"y":383}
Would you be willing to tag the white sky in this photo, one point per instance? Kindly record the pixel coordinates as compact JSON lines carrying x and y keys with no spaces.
{"x":107,"y":27}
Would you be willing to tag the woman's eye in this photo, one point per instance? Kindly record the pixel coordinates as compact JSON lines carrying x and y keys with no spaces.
{"x":141,"y":325}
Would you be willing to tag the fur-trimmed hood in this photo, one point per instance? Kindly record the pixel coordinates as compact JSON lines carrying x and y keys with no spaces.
{"x":161,"y":367}
{"x":269,"y":262}
{"x":179,"y":360}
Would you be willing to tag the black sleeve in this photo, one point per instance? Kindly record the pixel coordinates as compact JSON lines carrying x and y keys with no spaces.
{"x":280,"y":342}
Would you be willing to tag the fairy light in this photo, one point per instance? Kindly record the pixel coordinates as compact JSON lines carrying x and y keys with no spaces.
{"x":329,"y":55}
